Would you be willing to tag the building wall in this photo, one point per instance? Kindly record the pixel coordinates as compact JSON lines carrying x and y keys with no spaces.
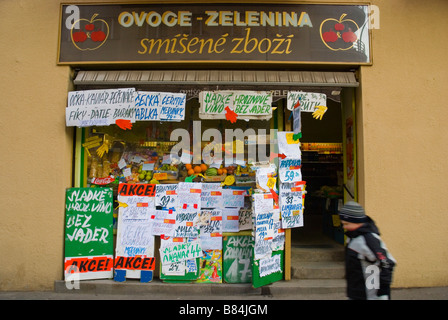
{"x":401,"y":139}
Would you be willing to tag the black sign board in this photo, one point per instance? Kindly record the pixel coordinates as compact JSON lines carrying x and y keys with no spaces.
{"x":218,"y":33}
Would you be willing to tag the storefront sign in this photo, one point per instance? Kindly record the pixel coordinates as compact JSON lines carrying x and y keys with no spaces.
{"x":151,"y":33}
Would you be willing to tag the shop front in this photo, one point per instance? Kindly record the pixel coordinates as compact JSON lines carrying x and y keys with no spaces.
{"x":205,"y":135}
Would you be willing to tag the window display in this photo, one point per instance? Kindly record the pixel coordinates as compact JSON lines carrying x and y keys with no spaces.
{"x":190,"y":173}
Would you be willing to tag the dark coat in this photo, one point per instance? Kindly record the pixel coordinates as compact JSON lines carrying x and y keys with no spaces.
{"x":368,"y":263}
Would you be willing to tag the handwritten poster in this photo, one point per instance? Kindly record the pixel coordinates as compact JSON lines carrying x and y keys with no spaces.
{"x":291,"y":200}
{"x":210,"y":229}
{"x":166,"y":195}
{"x":100,"y":107}
{"x":290,"y":170}
{"x":262,"y":203}
{"x":88,"y":233}
{"x":147,"y":106}
{"x":269,"y":265}
{"x":104,"y":107}
{"x":264,"y":226}
{"x":176,"y":252}
{"x":245,"y":219}
{"x":308,"y":100}
{"x":237,"y":257}
{"x":180,"y":268}
{"x":186,"y":223}
{"x":287,"y":145}
{"x":245,"y":104}
{"x":164,"y":222}
{"x":172,"y":106}
{"x":189,"y":195}
{"x":233,"y":198}
{"x":134,"y":251}
{"x":267,"y":178}
{"x":230,"y":220}
{"x":212,"y":195}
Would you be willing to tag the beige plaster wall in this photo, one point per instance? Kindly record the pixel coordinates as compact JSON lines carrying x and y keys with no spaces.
{"x":35,"y":146}
{"x":402,"y":136}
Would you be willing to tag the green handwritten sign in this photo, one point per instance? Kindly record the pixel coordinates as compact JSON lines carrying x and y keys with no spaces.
{"x":180,"y":251}
{"x":88,"y":232}
{"x":246,"y":104}
{"x":237,"y":258}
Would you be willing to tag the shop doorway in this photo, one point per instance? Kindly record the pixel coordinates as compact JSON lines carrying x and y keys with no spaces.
{"x":326,"y":157}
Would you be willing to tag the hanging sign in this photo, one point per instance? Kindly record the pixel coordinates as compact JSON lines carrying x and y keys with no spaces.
{"x":309,"y":101}
{"x":99,"y":107}
{"x":110,"y":106}
{"x":241,"y":104}
{"x":292,"y":204}
{"x":207,"y":32}
{"x":88,"y":233}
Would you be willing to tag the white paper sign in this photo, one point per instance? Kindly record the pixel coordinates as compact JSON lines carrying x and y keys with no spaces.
{"x":308,"y":100}
{"x":289,"y":170}
{"x":287,"y":145}
{"x":233,"y":198}
{"x":100,"y":107}
{"x":269,"y":265}
{"x":166,"y":195}
{"x":291,"y":200}
{"x":230,"y":220}
{"x":189,"y":195}
{"x":172,"y":106}
{"x":147,"y":106}
{"x":210,"y":226}
{"x":211,"y":195}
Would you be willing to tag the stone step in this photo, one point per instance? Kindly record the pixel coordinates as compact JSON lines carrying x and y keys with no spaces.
{"x":307,"y":287}
{"x":310,"y":253}
{"x":318,"y":270}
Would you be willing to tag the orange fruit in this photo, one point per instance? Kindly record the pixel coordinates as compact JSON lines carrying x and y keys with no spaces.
{"x":204,"y":167}
{"x":219,"y":172}
{"x":188,"y":166}
{"x":224,"y":171}
{"x":190,"y":172}
{"x":197,"y":169}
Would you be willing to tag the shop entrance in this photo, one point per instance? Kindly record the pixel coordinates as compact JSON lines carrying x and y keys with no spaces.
{"x":328,"y":169}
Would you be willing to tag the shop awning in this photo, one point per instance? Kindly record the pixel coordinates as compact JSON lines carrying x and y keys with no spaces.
{"x":217,"y":77}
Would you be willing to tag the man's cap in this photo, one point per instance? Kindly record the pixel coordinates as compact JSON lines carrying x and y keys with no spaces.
{"x":352,"y":212}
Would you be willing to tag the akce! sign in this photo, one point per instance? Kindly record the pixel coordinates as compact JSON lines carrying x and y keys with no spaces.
{"x":201,"y":33}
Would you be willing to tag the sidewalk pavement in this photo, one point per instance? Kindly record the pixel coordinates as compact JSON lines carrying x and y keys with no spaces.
{"x":278,"y":291}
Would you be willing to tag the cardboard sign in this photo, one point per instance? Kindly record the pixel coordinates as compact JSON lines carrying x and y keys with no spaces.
{"x":88,"y":233}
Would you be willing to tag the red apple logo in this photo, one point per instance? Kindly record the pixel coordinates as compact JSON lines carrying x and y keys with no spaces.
{"x":91,"y":35}
{"x":338,"y":34}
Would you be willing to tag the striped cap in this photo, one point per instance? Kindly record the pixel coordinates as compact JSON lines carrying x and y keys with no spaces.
{"x":352,"y":212}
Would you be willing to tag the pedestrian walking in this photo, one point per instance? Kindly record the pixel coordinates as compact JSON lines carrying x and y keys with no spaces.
{"x":368,"y":264}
